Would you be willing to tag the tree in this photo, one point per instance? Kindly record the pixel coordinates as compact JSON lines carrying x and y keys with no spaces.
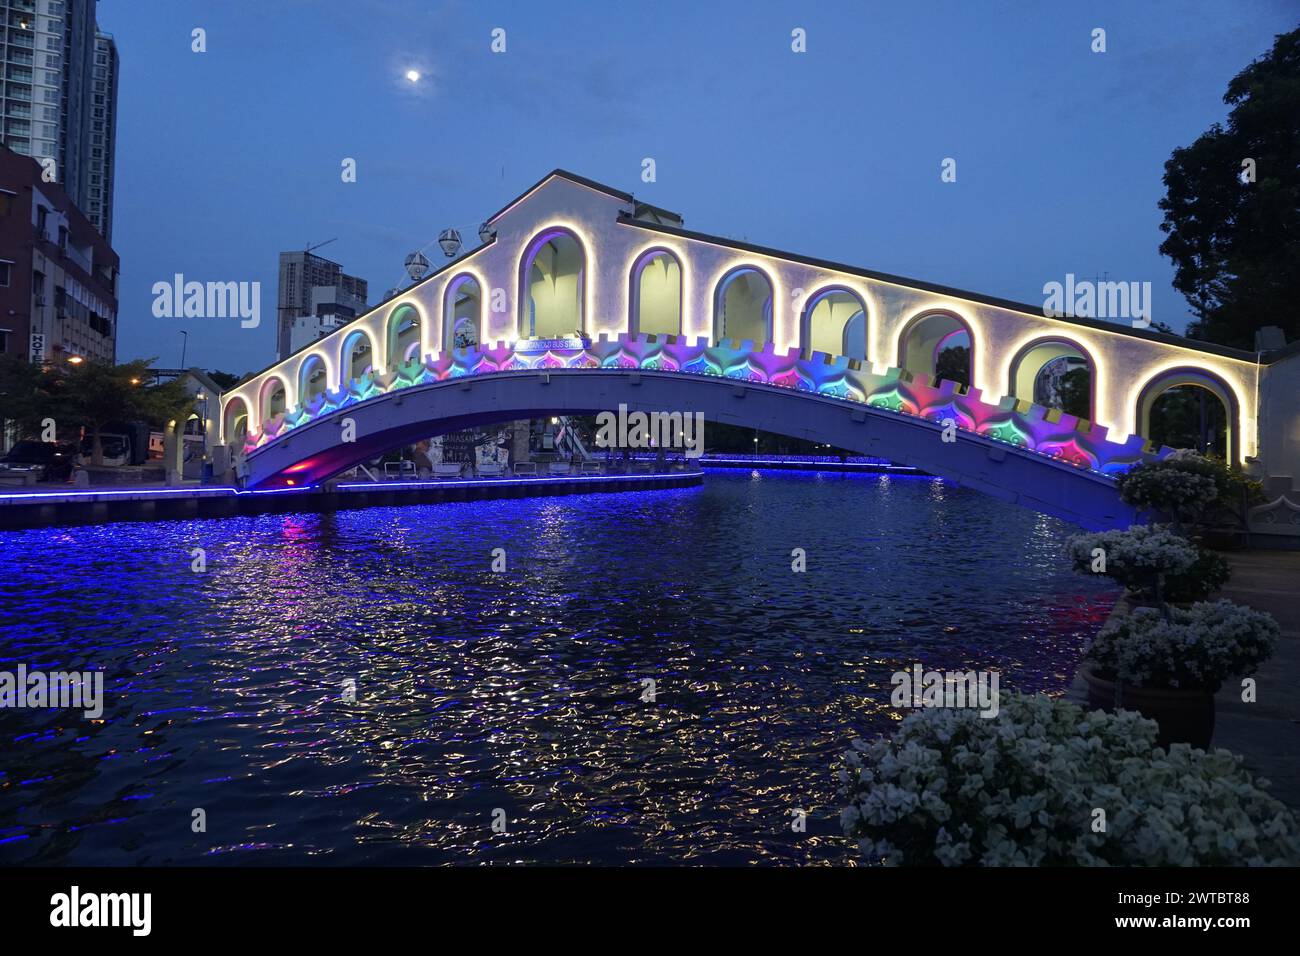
{"x":953,"y":364}
{"x":227,"y":380}
{"x":1076,"y":392}
{"x":88,"y":395}
{"x":1188,"y":416}
{"x":30,"y":394}
{"x":96,"y":393}
{"x":165,"y":403}
{"x":1232,"y":207}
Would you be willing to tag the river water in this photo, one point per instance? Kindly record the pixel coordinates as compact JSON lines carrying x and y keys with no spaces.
{"x":365,"y":688}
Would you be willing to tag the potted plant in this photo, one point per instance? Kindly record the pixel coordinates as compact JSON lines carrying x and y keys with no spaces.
{"x":1168,"y":663}
{"x":1192,"y":490}
{"x":1153,"y":563}
{"x":952,"y":788}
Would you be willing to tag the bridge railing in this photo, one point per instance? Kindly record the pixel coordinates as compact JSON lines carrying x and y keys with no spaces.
{"x":1049,"y":432}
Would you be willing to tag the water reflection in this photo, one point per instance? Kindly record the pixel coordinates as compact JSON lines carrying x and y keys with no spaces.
{"x":518,"y":691}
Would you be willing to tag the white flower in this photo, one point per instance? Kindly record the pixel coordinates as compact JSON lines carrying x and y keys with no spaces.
{"x":1199,"y":647}
{"x":957,"y":789}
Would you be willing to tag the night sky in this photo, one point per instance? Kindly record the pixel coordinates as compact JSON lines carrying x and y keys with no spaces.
{"x":226,"y":158}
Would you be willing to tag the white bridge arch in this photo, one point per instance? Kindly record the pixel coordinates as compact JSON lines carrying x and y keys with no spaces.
{"x":569,"y":258}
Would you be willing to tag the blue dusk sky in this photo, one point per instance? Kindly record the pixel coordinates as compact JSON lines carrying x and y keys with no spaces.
{"x":227,"y":157}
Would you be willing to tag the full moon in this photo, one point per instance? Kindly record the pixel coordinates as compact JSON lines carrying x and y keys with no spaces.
{"x":413,"y":75}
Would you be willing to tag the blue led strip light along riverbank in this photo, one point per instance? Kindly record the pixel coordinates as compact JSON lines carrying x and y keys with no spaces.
{"x":145,"y":494}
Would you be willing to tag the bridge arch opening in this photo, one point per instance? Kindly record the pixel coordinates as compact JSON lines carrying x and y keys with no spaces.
{"x":552,"y":286}
{"x":835,"y":321}
{"x":403,"y":335}
{"x":272,"y":399}
{"x":938,"y":344}
{"x":234,"y":422}
{"x":1056,"y":373}
{"x":742,"y":307}
{"x":312,"y":379}
{"x":462,"y":310}
{"x":655,"y":299}
{"x":1191,"y":408}
{"x":356,"y":357}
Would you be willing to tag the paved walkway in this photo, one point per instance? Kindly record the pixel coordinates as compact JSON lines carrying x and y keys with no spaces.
{"x":60,"y":487}
{"x":1267,"y":732}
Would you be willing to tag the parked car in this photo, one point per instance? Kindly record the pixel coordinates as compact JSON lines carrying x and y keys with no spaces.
{"x":130,"y":442}
{"x":50,"y":461}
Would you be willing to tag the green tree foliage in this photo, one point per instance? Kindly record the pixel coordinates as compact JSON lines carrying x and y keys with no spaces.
{"x":227,"y":380}
{"x":96,"y":393}
{"x":953,"y":364}
{"x":87,"y":395}
{"x":1235,"y":244}
{"x":29,"y":394}
{"x":1188,"y":416}
{"x":1076,"y":392}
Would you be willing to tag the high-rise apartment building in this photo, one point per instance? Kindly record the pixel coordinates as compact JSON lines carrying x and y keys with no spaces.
{"x":313,"y":287}
{"x":58,"y":90}
{"x":103,"y":136}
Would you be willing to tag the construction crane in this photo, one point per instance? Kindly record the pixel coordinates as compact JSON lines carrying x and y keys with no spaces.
{"x":310,"y":248}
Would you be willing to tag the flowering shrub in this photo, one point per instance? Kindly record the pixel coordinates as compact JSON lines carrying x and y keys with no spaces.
{"x":1133,"y":557}
{"x":1195,"y":648}
{"x":1165,"y":487}
{"x":1188,"y":487}
{"x":1208,"y":574}
{"x":1138,"y":556}
{"x":952,"y":788}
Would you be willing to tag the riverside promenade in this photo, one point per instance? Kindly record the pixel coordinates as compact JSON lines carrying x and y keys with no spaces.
{"x":1267,"y":732}
{"x":34,"y":507}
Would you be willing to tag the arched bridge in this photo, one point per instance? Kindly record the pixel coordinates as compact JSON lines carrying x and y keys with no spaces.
{"x":1034,"y":456}
{"x":581,"y":298}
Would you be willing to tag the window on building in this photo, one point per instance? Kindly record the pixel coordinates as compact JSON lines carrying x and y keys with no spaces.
{"x":5,"y":266}
{"x":6,"y":202}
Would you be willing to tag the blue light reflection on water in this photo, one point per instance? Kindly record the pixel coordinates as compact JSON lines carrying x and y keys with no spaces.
{"x":518,"y":690}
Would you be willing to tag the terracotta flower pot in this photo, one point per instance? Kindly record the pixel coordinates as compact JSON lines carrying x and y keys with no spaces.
{"x":1184,"y":716}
